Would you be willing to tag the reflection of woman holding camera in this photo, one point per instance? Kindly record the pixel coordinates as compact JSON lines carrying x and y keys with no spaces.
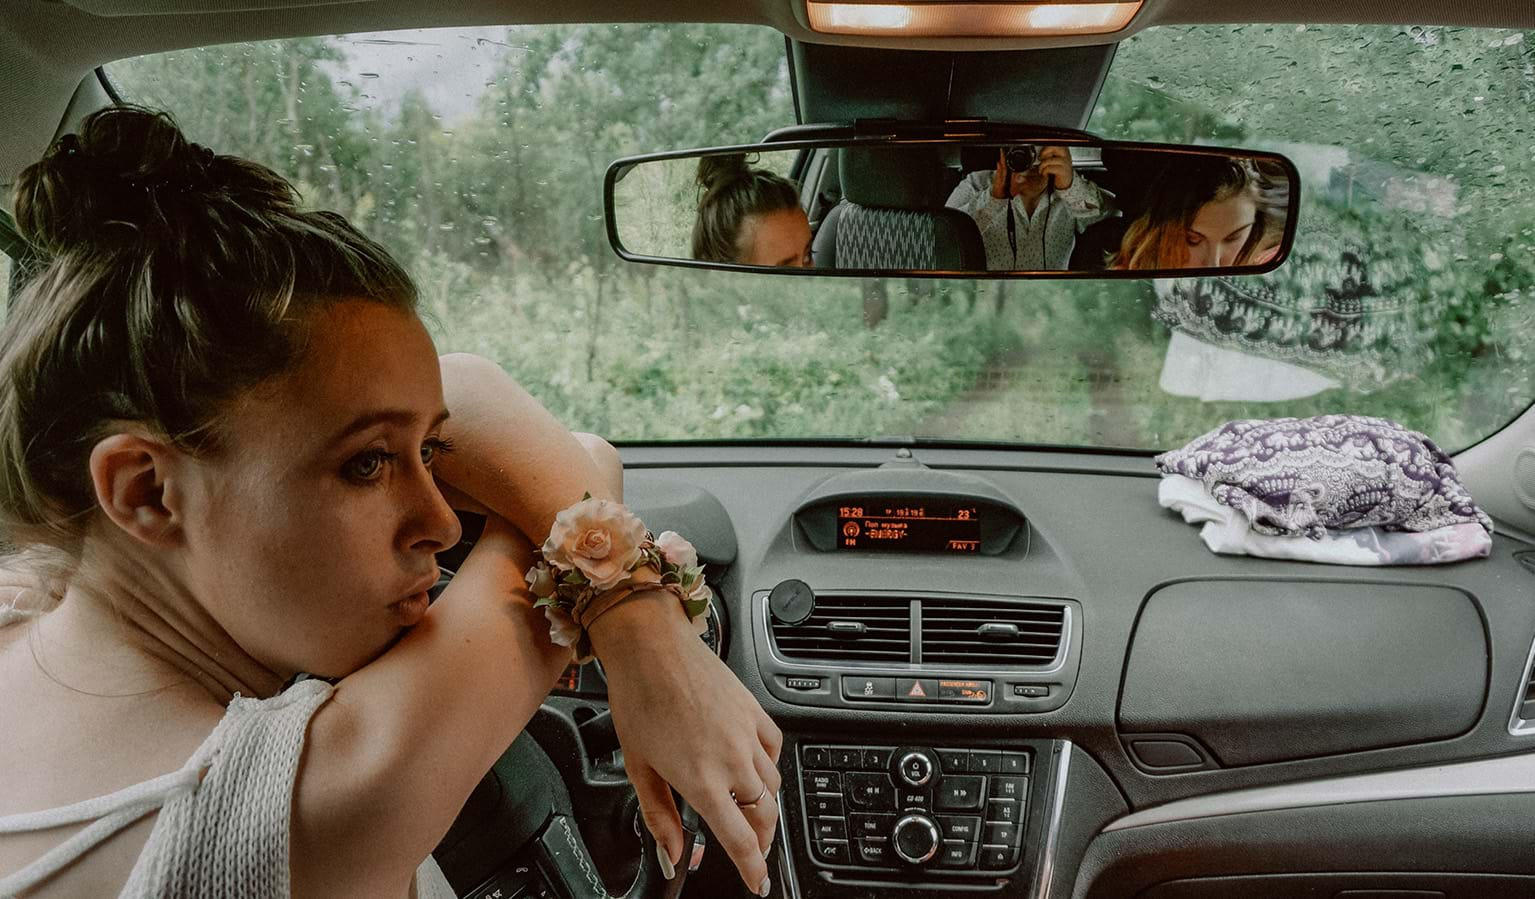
{"x":1031,"y":208}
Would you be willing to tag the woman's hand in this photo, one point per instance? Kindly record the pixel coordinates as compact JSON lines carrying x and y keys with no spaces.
{"x":999,"y":185}
{"x":686,"y":722}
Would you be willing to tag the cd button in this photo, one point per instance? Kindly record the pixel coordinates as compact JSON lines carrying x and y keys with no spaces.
{"x":821,"y":804}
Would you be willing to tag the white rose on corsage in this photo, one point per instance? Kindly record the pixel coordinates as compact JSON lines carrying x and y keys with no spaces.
{"x":563,"y":630}
{"x":598,"y":538}
{"x":676,"y":549}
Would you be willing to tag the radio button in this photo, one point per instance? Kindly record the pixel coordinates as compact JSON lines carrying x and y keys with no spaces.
{"x":985,"y":762}
{"x":1003,"y":834}
{"x":823,"y":782}
{"x":961,"y":793}
{"x":875,"y":851}
{"x":870,"y":792}
{"x":954,"y":761}
{"x":957,"y":827}
{"x":820,"y":804}
{"x":831,"y":852}
{"x":846,"y":757}
{"x":1009,"y":787}
{"x":877,"y":758}
{"x":997,"y":857}
{"x":871,"y":825}
{"x":830,"y":829}
{"x":957,"y":854}
{"x":1002,"y":811}
{"x":1015,"y":763}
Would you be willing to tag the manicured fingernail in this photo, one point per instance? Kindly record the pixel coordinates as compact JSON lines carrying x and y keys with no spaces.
{"x":667,"y":868}
{"x":767,"y":852}
{"x":766,"y":888}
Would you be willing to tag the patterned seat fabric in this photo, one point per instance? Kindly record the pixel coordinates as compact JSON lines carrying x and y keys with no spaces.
{"x":886,"y":238}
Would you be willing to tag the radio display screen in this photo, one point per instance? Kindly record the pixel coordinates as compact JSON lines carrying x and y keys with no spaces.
{"x":885,"y":524}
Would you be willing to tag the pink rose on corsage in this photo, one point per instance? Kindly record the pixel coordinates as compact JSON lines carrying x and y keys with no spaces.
{"x":563,"y":630}
{"x":540,"y":580}
{"x":676,"y":549}
{"x":598,"y":538}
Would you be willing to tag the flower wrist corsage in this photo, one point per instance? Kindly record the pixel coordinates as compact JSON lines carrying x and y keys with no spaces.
{"x":598,"y":555}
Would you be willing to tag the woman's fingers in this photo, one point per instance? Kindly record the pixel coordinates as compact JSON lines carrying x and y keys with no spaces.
{"x":737,"y":835}
{"x":660,"y":814}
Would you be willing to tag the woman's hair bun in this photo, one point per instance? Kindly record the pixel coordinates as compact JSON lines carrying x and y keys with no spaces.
{"x":130,"y":173}
{"x":716,"y":171}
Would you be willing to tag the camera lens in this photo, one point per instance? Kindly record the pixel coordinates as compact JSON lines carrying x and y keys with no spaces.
{"x":1021,"y":159}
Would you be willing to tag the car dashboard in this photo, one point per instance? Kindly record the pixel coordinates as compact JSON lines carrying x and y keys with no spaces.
{"x":1012,"y":673}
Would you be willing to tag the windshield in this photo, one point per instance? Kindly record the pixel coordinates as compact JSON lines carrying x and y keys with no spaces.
{"x":477,"y":155}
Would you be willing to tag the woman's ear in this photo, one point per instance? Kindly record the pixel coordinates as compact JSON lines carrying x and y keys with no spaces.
{"x":130,"y":475}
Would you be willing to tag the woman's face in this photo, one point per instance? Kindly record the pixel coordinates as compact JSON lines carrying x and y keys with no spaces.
{"x":1219,"y":230}
{"x":780,"y":238}
{"x":311,"y":537}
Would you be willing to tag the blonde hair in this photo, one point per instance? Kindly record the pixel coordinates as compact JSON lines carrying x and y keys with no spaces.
{"x":1158,"y":238}
{"x":174,"y":280}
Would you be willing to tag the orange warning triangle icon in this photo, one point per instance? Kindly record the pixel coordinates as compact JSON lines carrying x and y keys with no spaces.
{"x":916,"y":690}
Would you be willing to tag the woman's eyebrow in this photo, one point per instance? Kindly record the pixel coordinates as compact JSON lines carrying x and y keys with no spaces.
{"x":400,"y":417}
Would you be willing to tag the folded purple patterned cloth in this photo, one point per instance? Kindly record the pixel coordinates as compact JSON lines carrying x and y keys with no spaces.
{"x":1303,"y":476}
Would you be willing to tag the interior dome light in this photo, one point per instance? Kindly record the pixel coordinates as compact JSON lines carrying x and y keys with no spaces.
{"x":947,"y":19}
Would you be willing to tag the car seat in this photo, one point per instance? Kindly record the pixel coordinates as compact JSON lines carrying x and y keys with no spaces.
{"x":892,"y":216}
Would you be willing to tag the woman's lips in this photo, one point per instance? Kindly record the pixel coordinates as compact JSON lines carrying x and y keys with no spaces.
{"x":409,"y":612}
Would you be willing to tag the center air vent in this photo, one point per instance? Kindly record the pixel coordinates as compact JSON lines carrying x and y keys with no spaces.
{"x":961,"y":632}
{"x":849,"y":629}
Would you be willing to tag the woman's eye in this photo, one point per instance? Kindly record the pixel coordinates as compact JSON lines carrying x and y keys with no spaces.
{"x":1195,"y":239}
{"x":434,"y":449}
{"x":367,"y":466}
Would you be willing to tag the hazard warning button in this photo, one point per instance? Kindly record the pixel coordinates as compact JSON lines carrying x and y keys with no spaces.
{"x":909,"y":689}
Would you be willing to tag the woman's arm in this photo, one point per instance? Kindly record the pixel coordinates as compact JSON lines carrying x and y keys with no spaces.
{"x":399,"y":747}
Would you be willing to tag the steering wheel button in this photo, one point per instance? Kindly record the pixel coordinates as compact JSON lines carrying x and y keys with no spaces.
{"x":1015,"y":763}
{"x":1002,"y":811}
{"x":997,"y":857}
{"x":831,"y":851}
{"x":823,"y":782}
{"x":846,"y":757}
{"x":874,"y":851}
{"x":961,"y":793}
{"x":985,"y":762}
{"x":957,"y":854}
{"x":815,"y":756}
{"x":1009,"y":787}
{"x":870,"y":792}
{"x":831,"y":829}
{"x":1003,"y":834}
{"x":824,"y":804}
{"x":956,"y":827}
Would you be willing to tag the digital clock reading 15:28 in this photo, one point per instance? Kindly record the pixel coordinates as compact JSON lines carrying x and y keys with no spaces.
{"x":908,"y":525}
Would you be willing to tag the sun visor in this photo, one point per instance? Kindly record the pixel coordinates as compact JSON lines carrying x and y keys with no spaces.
{"x":1052,"y":87}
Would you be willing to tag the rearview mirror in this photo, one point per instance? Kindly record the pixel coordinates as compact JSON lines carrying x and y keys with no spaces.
{"x":1062,"y":206}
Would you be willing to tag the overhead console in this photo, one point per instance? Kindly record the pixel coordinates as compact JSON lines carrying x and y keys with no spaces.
{"x":1249,"y":671}
{"x":920,"y":649}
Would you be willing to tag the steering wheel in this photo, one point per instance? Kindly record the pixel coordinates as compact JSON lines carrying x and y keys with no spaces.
{"x":517,"y":836}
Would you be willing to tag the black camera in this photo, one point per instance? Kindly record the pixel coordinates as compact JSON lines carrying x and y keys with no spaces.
{"x":1021,"y":159}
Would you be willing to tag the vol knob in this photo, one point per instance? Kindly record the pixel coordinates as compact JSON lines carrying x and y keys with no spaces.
{"x":791,"y":602}
{"x":915,"y":838}
{"x":916,"y":768}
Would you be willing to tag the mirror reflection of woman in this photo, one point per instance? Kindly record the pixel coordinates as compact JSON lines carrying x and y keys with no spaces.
{"x":748,"y":216}
{"x":1212,"y":214}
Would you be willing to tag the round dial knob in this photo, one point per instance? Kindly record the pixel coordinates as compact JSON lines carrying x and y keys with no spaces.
{"x":791,"y":602}
{"x":915,"y":838}
{"x":916,"y":768}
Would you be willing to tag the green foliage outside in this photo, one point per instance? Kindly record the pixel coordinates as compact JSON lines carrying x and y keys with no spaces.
{"x":497,"y":210}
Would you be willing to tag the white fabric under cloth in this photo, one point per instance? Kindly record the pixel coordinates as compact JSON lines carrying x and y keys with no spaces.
{"x":1228,"y":532}
{"x":224,"y":824}
{"x":1215,"y":374}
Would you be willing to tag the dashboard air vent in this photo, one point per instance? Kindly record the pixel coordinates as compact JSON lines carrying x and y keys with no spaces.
{"x":849,"y":629}
{"x":960,"y":631}
{"x":1524,"y":708}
